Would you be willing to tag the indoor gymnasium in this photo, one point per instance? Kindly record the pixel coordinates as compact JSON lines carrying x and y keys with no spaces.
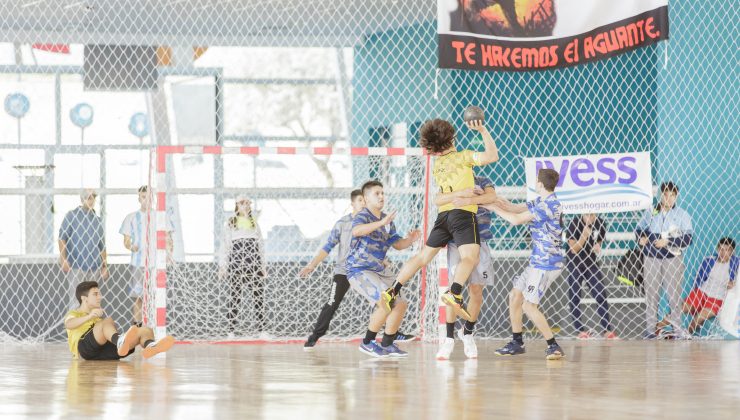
{"x":395,"y":209}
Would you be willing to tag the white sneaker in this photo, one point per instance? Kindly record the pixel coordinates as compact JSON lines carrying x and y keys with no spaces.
{"x":127,"y":341}
{"x":471,"y":350}
{"x":159,"y":346}
{"x":445,"y":348}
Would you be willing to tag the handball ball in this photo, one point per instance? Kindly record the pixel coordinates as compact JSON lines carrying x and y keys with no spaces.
{"x":473,"y":113}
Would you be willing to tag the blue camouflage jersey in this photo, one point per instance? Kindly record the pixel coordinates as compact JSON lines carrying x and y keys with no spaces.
{"x":368,"y":252}
{"x":546,"y":230}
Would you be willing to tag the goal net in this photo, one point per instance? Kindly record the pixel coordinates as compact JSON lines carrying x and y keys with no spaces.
{"x":296,"y":195}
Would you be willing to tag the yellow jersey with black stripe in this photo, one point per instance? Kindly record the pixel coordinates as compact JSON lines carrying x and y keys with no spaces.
{"x":73,"y":336}
{"x":454,"y":172}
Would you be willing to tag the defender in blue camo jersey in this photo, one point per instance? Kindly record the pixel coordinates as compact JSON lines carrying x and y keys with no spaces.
{"x":543,"y":215}
{"x":340,"y":238}
{"x":373,"y":233}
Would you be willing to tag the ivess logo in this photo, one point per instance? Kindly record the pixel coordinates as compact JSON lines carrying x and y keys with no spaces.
{"x":582,"y":172}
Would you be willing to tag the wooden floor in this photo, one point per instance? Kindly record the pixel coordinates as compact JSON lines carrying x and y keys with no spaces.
{"x":697,"y":379}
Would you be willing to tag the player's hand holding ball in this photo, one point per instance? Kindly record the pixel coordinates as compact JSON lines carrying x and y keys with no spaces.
{"x":474,"y":118}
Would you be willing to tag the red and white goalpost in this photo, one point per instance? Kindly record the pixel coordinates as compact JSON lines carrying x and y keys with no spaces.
{"x":186,"y":297}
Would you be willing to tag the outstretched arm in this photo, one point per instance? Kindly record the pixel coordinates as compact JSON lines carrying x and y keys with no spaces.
{"x":488,"y":196}
{"x":507,"y":205}
{"x":513,"y":218}
{"x":440,"y":199}
{"x":368,"y":228}
{"x":409,"y":240}
{"x":490,"y":155}
{"x":305,"y":271}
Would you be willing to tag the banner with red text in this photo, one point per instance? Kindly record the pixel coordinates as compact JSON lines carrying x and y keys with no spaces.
{"x":527,"y":35}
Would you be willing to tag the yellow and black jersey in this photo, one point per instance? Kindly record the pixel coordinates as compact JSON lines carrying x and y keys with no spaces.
{"x":454,"y":172}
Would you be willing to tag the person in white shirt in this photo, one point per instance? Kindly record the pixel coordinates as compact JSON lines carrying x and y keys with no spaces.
{"x":143,"y":248}
{"x":717,"y":274}
{"x":242,"y":261}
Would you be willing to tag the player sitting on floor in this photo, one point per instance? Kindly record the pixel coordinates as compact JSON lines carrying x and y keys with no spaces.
{"x":93,"y":337}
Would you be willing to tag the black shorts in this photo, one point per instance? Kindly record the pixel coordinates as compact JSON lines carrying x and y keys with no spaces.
{"x":456,"y":225}
{"x":89,"y":349}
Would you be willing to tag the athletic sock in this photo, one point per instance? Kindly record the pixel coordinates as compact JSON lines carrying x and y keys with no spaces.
{"x":369,"y":336}
{"x":456,"y":288}
{"x":518,"y":338}
{"x":469,"y":327}
{"x":397,"y":287}
{"x":148,"y":342}
{"x":450,"y":330}
{"x":114,"y":339}
{"x":388,"y":339}
{"x":551,"y":341}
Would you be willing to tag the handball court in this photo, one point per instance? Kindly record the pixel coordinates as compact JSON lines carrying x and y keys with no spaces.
{"x":598,"y":379}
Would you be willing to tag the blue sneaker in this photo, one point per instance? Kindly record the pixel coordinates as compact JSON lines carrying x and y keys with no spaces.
{"x":373,"y":349}
{"x":394,"y":351}
{"x":512,"y":348}
{"x":554,"y":352}
{"x":402,"y":338}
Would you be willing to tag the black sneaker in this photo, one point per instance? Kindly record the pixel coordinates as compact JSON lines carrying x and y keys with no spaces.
{"x":310,"y":343}
{"x":512,"y":348}
{"x":403,"y":338}
{"x":554,"y":352}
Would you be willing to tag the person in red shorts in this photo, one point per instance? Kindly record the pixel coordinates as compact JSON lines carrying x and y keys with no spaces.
{"x":716,"y":276}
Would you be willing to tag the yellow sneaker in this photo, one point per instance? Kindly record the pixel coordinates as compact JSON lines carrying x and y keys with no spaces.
{"x":456,"y":303}
{"x":387,"y":299}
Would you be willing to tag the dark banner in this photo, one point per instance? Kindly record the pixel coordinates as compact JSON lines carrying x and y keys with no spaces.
{"x":470,"y":50}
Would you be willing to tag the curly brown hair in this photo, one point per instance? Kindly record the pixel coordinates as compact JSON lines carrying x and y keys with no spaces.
{"x":436,"y":135}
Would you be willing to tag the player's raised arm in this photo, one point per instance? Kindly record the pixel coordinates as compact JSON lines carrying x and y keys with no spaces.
{"x":490,"y":154}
